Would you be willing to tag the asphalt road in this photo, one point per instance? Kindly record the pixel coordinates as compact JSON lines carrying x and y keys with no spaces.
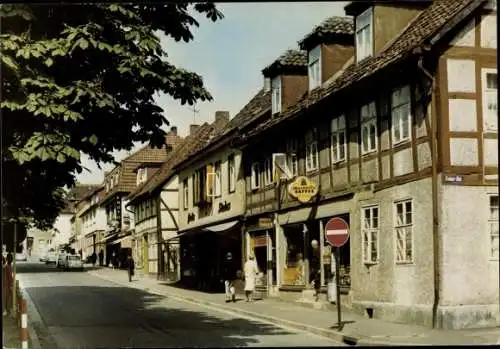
{"x":78,"y":310}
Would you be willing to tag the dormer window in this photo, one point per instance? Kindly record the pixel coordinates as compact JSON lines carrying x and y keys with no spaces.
{"x":364,"y":35}
{"x":276,"y":94}
{"x":314,"y":67}
{"x":141,"y":175}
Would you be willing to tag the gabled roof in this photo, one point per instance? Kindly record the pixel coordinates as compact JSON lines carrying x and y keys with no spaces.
{"x":336,"y":25}
{"x":182,"y":151}
{"x":427,"y":24}
{"x":75,"y":195}
{"x":295,"y":59}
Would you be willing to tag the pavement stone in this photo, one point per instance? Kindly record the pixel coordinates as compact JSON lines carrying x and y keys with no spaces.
{"x":10,"y":333}
{"x":357,"y":329}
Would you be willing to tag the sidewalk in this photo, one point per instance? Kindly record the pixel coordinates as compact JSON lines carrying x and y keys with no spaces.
{"x":10,"y":333}
{"x":357,"y":329}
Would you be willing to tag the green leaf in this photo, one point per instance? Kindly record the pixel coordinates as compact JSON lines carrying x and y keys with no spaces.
{"x":61,"y":158}
{"x":48,"y":62}
{"x":83,"y":43}
{"x":7,"y":60}
{"x":93,"y":139}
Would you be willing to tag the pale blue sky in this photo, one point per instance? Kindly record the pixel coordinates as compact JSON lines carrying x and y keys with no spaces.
{"x":230,"y":55}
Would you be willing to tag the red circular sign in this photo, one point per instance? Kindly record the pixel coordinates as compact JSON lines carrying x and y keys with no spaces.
{"x":337,"y":232}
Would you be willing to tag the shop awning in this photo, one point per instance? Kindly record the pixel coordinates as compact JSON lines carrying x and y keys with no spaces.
{"x":222,"y":227}
{"x":106,"y":238}
{"x":173,"y":238}
{"x":126,"y":241}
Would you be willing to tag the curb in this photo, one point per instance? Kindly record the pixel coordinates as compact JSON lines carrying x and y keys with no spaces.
{"x":33,"y":316}
{"x":335,"y":335}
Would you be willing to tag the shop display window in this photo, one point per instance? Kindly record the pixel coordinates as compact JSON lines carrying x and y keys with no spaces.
{"x":294,"y":270}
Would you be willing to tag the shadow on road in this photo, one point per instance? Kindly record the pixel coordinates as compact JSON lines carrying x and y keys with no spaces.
{"x":117,"y":316}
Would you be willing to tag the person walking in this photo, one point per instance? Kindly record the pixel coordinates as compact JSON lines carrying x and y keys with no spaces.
{"x":101,"y":258}
{"x":251,"y":271}
{"x":8,"y":283}
{"x":229,"y":277}
{"x":94,"y":258}
{"x":130,"y":267}
{"x":113,"y":259}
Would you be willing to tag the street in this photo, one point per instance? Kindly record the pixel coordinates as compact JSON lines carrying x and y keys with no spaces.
{"x":80,"y":310}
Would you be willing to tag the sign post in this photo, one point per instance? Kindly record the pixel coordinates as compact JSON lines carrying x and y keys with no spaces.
{"x":337,"y":234}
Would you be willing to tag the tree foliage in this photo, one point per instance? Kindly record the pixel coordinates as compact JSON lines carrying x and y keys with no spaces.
{"x":81,"y":79}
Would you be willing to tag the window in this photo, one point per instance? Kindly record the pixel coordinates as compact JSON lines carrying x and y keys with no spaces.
{"x":231,"y":173}
{"x":401,"y":115}
{"x":116,"y":179}
{"x":141,"y":175}
{"x":490,"y":99}
{"x":196,"y":188}
{"x":368,"y":128}
{"x":267,"y":172}
{"x":153,"y":207}
{"x":338,"y":139}
{"x":185,"y":191}
{"x":364,"y":44}
{"x":148,"y":209}
{"x":493,"y":227}
{"x":312,"y":157}
{"x":199,"y":188}
{"x":314,"y":67}
{"x":292,"y":159}
{"x":255,"y":176}
{"x":217,"y":179}
{"x":276,"y":94}
{"x":404,"y":231}
{"x":369,"y":227}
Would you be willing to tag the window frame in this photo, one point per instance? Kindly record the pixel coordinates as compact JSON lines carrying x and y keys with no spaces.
{"x":484,"y":101}
{"x":404,"y":226}
{"x":267,"y":172}
{"x":185,"y":194}
{"x":369,"y":121}
{"x":367,"y":48}
{"x":292,"y":157}
{"x":404,"y":106}
{"x":231,"y":165}
{"x":493,"y":221}
{"x":336,"y":129}
{"x":276,"y":95}
{"x":312,"y":153}
{"x":313,"y":63}
{"x":370,"y":230}
{"x":255,"y":176}
{"x":218,"y":179}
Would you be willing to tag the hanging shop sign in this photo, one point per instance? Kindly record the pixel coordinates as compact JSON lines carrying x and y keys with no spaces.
{"x":303,"y":189}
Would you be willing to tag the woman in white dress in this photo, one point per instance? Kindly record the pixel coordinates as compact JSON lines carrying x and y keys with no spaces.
{"x":251,"y":271}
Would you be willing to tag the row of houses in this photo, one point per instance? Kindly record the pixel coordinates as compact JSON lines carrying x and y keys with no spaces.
{"x":387,"y":118}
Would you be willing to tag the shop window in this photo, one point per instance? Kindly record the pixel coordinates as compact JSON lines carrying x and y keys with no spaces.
{"x":294,"y":271}
{"x":403,"y":211}
{"x":493,"y":227}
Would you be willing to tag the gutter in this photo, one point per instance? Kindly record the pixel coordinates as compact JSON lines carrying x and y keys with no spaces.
{"x":436,"y":242}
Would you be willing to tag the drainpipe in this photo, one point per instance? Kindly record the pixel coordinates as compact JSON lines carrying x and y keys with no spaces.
{"x":436,"y":243}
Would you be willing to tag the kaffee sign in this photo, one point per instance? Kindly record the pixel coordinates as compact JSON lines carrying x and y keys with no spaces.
{"x":303,"y":189}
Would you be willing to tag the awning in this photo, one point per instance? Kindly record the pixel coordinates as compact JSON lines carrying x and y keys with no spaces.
{"x":106,"y":238}
{"x":126,"y":241}
{"x":222,"y":227}
{"x":173,"y":238}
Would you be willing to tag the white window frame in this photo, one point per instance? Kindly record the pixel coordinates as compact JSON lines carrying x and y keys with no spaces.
{"x":312,"y":154}
{"x":369,"y":124}
{"x":401,"y":107}
{"x":364,"y":26}
{"x":338,"y":143}
{"x":185,"y":193}
{"x":276,"y":95}
{"x":267,"y":172}
{"x":292,"y":157}
{"x":493,"y":234}
{"x":369,"y":230}
{"x":490,"y":122}
{"x":404,"y":228}
{"x":218,"y":179}
{"x":314,"y":67}
{"x":255,"y":176}
{"x":231,"y":163}
{"x":280,"y":167}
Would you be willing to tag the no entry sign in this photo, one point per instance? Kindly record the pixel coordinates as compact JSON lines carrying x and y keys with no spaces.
{"x":337,"y":232}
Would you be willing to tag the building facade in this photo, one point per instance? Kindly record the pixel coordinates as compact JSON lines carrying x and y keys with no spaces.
{"x":399,"y":163}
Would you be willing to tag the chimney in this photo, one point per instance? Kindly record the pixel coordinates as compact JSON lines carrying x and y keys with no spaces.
{"x":221,"y":116}
{"x":172,"y":140}
{"x":193,"y":129}
{"x":173,"y":130}
{"x":267,"y":84}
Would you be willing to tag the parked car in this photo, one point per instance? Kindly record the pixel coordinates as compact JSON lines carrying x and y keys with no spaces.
{"x":21,"y":257}
{"x":51,"y":258}
{"x":70,"y":261}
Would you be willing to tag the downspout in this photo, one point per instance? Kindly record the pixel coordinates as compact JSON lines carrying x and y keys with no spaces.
{"x":436,"y":243}
{"x":159,"y":237}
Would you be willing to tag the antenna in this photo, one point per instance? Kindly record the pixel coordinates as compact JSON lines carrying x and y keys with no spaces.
{"x":195,"y":111}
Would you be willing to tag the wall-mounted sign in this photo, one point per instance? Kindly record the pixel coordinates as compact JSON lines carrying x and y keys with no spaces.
{"x":303,"y":189}
{"x":265,"y":223}
{"x":453,"y":179}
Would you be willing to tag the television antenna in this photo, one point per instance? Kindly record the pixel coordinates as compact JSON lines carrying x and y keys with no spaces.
{"x":195,"y":111}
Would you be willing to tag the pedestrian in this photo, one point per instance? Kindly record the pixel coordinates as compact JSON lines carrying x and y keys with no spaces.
{"x":113,"y":259}
{"x":94,"y":258}
{"x":8,"y":283}
{"x":229,"y":277}
{"x":251,"y":270}
{"x":130,"y":267}
{"x":101,"y":258}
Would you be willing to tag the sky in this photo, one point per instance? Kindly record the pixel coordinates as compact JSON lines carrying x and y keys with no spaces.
{"x":230,"y":55}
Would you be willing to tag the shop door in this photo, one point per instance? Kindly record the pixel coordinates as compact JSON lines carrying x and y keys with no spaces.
{"x":263,"y":247}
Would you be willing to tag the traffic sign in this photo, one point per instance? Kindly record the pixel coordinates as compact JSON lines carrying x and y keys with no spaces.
{"x":337,"y":232}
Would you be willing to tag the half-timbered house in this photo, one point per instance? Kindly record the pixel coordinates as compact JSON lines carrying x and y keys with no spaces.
{"x":400,"y":140}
